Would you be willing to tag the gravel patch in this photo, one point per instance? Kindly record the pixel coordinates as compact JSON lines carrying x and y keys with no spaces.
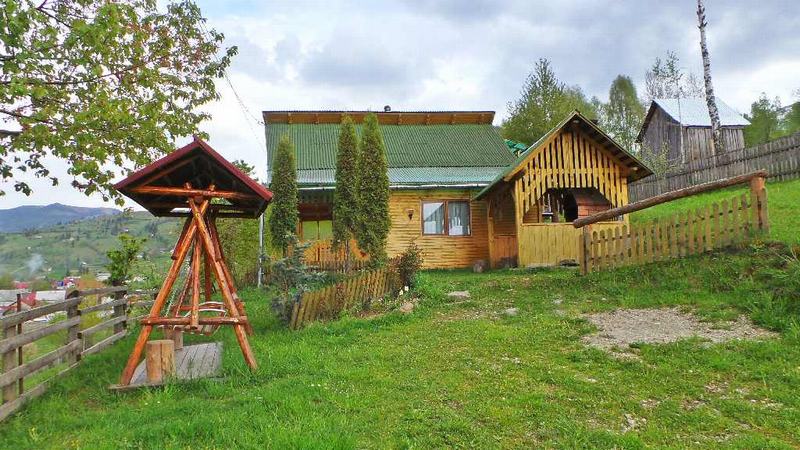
{"x":621,"y":328}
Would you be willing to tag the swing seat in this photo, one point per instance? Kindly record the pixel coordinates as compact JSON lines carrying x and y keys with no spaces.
{"x":215,"y":308}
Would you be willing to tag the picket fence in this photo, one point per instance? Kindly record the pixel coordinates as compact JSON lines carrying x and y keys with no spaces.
{"x":780,"y":158}
{"x":714,"y":226}
{"x":320,"y":255}
{"x":330,"y":301}
{"x":84,"y":335}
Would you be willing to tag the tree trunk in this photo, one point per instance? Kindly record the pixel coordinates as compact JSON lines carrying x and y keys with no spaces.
{"x":713,"y":112}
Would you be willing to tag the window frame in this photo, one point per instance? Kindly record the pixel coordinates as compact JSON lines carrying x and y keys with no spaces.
{"x":444,"y":202}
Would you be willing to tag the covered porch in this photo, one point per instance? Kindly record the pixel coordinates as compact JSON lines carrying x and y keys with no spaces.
{"x":574,"y":171}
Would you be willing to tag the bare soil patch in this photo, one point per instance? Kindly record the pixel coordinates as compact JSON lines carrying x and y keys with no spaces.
{"x":619,"y":329}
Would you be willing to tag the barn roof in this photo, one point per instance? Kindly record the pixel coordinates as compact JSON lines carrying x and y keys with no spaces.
{"x":201,"y":166}
{"x":639,"y":169}
{"x":692,"y":112}
{"x":442,"y":148}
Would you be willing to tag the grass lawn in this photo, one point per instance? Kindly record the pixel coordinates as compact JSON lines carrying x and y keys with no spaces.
{"x":460,"y":373}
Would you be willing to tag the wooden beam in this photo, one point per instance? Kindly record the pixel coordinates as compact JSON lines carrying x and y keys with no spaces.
{"x":184,"y":192}
{"x":667,"y":197}
{"x":188,"y":321}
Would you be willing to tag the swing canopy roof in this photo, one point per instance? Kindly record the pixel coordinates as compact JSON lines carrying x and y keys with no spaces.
{"x":161,"y":187}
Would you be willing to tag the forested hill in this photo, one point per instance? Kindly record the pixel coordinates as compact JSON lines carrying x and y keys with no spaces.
{"x":33,"y":217}
{"x":58,"y":249}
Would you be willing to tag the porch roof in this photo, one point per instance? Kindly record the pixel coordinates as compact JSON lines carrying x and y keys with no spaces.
{"x":638,"y":168}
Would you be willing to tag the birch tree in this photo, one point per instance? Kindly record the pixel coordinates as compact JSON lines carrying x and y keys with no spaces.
{"x":713,"y":112}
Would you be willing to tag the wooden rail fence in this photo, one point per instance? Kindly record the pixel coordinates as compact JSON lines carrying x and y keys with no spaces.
{"x":714,"y":226}
{"x":330,"y":301}
{"x":780,"y":158}
{"x":89,"y":327}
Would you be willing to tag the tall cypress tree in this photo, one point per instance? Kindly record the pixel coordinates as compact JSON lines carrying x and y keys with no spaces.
{"x":373,"y":190}
{"x":345,"y":197}
{"x":284,"y":189}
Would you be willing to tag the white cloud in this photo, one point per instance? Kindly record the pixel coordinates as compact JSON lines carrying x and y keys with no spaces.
{"x":454,"y":54}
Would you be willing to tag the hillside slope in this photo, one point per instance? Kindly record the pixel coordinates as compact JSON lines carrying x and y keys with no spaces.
{"x":33,"y":217}
{"x":60,"y":248}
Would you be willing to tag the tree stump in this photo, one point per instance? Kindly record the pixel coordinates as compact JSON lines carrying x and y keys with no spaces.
{"x":176,"y":335}
{"x":160,"y":360}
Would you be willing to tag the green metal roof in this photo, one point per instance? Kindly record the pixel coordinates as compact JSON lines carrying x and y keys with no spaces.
{"x":429,"y":154}
{"x":412,"y":176}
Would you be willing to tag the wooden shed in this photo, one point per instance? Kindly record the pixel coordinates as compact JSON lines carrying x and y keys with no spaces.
{"x":574,"y":171}
{"x":682,"y":128}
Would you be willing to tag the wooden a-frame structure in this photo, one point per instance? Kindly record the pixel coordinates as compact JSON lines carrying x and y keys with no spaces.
{"x":197,"y":183}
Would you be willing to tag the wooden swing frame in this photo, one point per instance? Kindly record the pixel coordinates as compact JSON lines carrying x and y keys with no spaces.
{"x":197,"y":183}
{"x":199,"y":235}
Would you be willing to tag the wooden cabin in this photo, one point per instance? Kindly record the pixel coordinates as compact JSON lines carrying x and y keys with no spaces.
{"x":573,"y":171}
{"x":437,"y":162}
{"x":458,"y":191}
{"x":682,"y":128}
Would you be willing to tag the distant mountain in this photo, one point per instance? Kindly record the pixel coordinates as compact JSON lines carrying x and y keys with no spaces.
{"x":37,"y":217}
{"x":59,"y":249}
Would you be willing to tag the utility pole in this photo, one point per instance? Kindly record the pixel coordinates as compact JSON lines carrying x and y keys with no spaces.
{"x":260,"y":249}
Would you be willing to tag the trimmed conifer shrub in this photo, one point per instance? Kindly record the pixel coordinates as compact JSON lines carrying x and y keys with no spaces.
{"x":283,"y":222}
{"x":373,"y":191}
{"x":345,"y":197}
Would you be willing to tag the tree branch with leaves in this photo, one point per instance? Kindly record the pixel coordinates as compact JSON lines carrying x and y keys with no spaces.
{"x":101,"y":85}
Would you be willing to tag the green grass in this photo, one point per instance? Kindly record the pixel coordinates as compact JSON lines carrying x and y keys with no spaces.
{"x":783,"y":200}
{"x":459,"y":374}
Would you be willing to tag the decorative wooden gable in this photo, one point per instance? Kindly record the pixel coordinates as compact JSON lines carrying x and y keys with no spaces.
{"x":572,"y":156}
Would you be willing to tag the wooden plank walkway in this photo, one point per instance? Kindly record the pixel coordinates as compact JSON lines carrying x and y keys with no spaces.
{"x":191,"y":362}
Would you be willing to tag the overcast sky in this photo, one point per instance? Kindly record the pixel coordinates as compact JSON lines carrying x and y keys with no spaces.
{"x":460,"y":54}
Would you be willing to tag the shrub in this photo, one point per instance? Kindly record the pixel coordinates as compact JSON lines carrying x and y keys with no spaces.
{"x":283,"y":221}
{"x":408,"y":264}
{"x":373,"y":188}
{"x":291,"y":276}
{"x":121,"y":259}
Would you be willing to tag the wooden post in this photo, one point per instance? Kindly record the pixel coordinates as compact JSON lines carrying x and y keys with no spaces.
{"x":180,"y":254}
{"x":72,"y":333}
{"x":160,"y":360}
{"x":584,"y":250}
{"x":176,"y":336}
{"x":757,"y":185}
{"x":119,"y":311}
{"x":11,"y":358}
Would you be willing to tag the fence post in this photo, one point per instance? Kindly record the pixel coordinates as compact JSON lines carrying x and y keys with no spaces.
{"x":119,"y":311}
{"x":12,"y":358}
{"x":72,"y":332}
{"x":584,"y":250}
{"x":759,"y":195}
